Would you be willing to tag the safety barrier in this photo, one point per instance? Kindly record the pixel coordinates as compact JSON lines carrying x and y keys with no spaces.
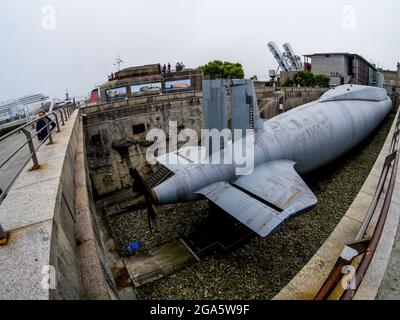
{"x":60,"y":115}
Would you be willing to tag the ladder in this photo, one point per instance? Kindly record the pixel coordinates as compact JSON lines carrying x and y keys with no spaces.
{"x":162,"y":174}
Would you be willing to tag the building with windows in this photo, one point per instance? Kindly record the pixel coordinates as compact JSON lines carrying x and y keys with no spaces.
{"x":392,"y":79}
{"x":343,"y":68}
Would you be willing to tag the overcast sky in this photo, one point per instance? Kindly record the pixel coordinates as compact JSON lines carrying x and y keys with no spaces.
{"x":50,"y":45}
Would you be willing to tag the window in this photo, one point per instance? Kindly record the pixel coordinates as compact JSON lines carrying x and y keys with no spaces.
{"x":146,"y":89}
{"x":178,"y":85}
{"x":96,"y":139}
{"x":116,"y":93}
{"x":139,"y":128}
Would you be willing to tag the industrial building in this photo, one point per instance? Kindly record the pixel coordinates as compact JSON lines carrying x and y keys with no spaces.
{"x":343,"y":68}
{"x":392,"y":79}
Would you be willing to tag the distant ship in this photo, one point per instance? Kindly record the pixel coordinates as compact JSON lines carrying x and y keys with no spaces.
{"x":24,"y":108}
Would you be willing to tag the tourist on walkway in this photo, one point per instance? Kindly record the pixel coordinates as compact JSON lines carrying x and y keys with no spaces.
{"x":42,"y":123}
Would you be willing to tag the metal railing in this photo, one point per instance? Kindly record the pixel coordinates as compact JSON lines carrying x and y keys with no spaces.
{"x":60,"y":116}
{"x":363,"y":245}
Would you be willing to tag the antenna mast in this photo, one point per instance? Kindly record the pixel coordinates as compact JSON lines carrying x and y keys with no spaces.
{"x":118,"y":62}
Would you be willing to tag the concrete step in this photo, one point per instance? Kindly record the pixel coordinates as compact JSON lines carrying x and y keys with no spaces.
{"x":154,"y":264}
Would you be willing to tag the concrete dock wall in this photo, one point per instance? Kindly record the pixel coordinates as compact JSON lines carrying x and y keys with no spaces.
{"x":116,"y":134}
{"x":52,"y":246}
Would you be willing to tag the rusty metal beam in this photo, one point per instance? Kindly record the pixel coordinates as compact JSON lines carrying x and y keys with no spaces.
{"x":349,"y":253}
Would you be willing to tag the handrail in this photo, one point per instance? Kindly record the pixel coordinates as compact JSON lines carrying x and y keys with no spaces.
{"x":64,"y":113}
{"x":363,"y":245}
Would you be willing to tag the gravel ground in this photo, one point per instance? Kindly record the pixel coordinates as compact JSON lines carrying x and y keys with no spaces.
{"x":173,"y":222}
{"x":260,"y":268}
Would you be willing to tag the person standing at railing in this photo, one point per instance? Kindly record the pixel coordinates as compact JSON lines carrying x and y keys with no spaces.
{"x":41,"y":124}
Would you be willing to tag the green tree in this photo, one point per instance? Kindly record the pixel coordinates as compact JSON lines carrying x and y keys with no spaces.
{"x":223,"y":70}
{"x":304,"y":78}
{"x":308,"y":79}
{"x":289,"y":83}
{"x":322,"y":80}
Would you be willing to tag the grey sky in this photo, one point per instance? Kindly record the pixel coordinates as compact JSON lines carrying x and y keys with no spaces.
{"x":89,"y":34}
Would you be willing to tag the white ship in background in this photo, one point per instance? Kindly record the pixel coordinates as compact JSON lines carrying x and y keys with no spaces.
{"x":26,"y":108}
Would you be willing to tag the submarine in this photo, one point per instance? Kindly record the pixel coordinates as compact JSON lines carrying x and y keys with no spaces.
{"x":285,"y":147}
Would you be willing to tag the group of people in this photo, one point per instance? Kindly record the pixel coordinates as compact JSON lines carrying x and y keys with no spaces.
{"x":111,"y":76}
{"x":166,"y":68}
{"x":179,"y":66}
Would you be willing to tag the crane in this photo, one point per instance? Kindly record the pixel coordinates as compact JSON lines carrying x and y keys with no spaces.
{"x":287,"y":61}
{"x":295,"y":61}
